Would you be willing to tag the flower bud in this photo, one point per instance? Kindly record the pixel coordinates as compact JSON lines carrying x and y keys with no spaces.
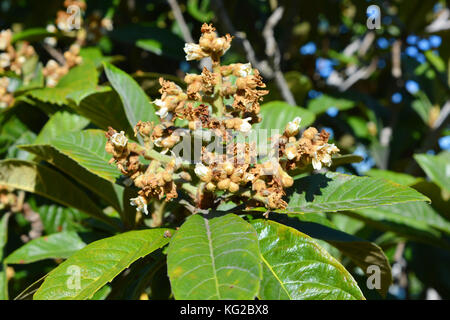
{"x":228,"y":167}
{"x":233,"y":187}
{"x":210,"y":186}
{"x":310,"y":133}
{"x":291,"y":152}
{"x":258,"y":185}
{"x":185,"y":176}
{"x":224,"y":184}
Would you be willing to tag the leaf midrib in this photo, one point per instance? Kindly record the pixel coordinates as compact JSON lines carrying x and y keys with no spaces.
{"x":211,"y":253}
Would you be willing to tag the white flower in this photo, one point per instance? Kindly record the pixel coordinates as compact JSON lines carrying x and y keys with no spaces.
{"x":157,"y":142}
{"x":201,"y":170}
{"x":51,"y":41}
{"x":21,"y":60}
{"x":245,"y":70}
{"x":290,"y":155}
{"x":140,"y":203}
{"x":293,"y":126}
{"x":51,"y":28}
{"x":159,"y":103}
{"x":5,"y":39}
{"x":193,"y":51}
{"x":323,"y":155}
{"x":245,"y":126}
{"x":5,"y":60}
{"x":107,"y":24}
{"x":249,"y":177}
{"x":163,"y":112}
{"x":317,"y":165}
{"x":51,"y":81}
{"x":119,"y":139}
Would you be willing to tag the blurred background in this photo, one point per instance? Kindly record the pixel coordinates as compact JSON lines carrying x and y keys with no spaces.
{"x":376,"y":75}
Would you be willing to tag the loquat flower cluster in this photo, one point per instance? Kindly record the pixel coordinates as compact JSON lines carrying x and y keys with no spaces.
{"x":223,"y":102}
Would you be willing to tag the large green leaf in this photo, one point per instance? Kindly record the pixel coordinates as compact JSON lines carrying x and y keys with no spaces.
{"x":49,"y":183}
{"x":214,"y":258}
{"x":136,"y":104}
{"x":397,"y":177}
{"x":296,"y":267}
{"x":104,"y":109}
{"x":333,"y":192}
{"x":363,"y":253}
{"x":79,"y":79}
{"x":32,"y":34}
{"x":436,"y":167}
{"x":324,"y":102}
{"x":416,"y":220}
{"x":276,"y":114}
{"x":98,"y":263}
{"x":60,"y":123}
{"x":88,"y":149}
{"x":59,"y":245}
{"x":57,"y":218}
{"x":82,"y":173}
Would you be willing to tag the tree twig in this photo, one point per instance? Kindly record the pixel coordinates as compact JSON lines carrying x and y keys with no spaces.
{"x":58,"y":56}
{"x":204,"y":63}
{"x":274,"y":53}
{"x":268,"y":70}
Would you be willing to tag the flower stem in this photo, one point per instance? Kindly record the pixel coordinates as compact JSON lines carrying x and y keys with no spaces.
{"x":218,"y":105}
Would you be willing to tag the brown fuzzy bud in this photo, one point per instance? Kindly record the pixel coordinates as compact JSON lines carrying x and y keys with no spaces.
{"x":185,"y":176}
{"x":167,"y":176}
{"x":223,"y":184}
{"x":210,"y":186}
{"x":228,"y":167}
{"x":259,"y":185}
{"x":233,"y":187}
{"x":310,"y":133}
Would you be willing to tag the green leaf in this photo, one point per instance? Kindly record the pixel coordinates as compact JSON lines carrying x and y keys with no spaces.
{"x":88,"y":149}
{"x":415,"y":220}
{"x":397,"y":177}
{"x":363,"y":253}
{"x":57,"y":218}
{"x":99,"y":263}
{"x":3,"y":239}
{"x":136,"y":104}
{"x":78,"y":80}
{"x":106,"y":189}
{"x":55,"y":246}
{"x":60,"y":123}
{"x":32,"y":34}
{"x":333,"y":192}
{"x":214,"y":258}
{"x":276,"y":115}
{"x":49,"y":183}
{"x":95,"y":55}
{"x":324,"y":102}
{"x":436,"y":167}
{"x":297,"y":268}
{"x":104,"y":109}
{"x":201,"y":11}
